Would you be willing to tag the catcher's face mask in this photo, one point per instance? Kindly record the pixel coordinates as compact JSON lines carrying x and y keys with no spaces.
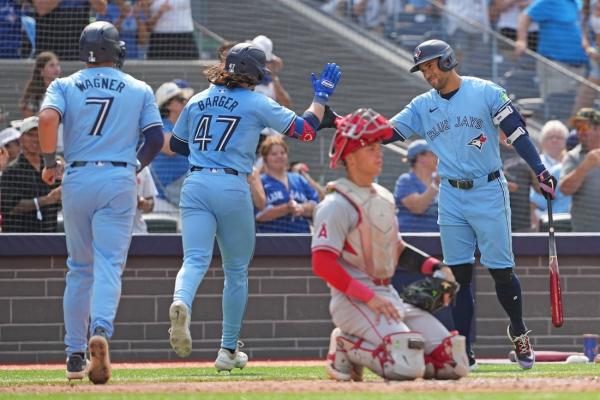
{"x":356,"y":130}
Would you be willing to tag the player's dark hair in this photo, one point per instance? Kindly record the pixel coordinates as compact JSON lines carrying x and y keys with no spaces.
{"x":35,"y":88}
{"x":218,"y":76}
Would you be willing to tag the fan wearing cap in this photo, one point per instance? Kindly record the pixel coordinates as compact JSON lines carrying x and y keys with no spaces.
{"x":169,"y":168}
{"x":356,"y":249}
{"x":218,"y":130}
{"x":580,"y":174}
{"x":10,"y":148}
{"x":271,"y":85}
{"x":416,"y":192}
{"x":28,"y":203}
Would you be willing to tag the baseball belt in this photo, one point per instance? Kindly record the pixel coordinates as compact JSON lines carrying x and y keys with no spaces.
{"x":468,"y":184}
{"x":229,"y":171}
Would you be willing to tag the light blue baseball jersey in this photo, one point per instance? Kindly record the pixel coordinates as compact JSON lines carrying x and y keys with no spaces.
{"x":222,"y":126}
{"x":461,"y":130}
{"x":96,"y":105}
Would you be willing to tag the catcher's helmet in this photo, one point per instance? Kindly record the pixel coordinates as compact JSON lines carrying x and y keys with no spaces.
{"x":100,"y":42}
{"x":359,"y":129}
{"x":432,"y":49}
{"x":246,"y":59}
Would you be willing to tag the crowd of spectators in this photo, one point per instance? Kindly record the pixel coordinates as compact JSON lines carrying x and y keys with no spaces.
{"x":284,"y":193}
{"x":152,"y":29}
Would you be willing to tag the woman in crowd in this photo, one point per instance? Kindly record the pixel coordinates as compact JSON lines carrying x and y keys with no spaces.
{"x":45,"y":70}
{"x":290,"y":200}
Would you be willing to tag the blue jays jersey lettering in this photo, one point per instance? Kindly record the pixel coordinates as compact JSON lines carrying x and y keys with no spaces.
{"x":96,"y":105}
{"x":222,"y":126}
{"x":460,"y":130}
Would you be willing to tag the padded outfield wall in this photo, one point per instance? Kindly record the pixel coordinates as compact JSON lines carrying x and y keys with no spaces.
{"x":287,"y":315}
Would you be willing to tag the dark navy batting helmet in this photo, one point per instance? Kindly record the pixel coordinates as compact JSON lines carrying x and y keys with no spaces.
{"x":100,"y":42}
{"x":246,"y":59}
{"x":432,"y":49}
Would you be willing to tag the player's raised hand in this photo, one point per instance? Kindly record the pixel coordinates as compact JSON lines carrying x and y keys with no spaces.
{"x":548,"y":184}
{"x":325,"y":84}
{"x":382,"y":306}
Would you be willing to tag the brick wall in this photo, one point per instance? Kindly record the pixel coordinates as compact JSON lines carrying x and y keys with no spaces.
{"x":287,"y":315}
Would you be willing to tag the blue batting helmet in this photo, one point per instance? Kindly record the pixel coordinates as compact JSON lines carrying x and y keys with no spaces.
{"x":432,"y":49}
{"x":246,"y":59}
{"x":100,"y":42}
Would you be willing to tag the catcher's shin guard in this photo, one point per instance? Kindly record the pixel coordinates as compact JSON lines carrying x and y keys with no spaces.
{"x":337,"y":366}
{"x":448,"y":360}
{"x":399,"y":357}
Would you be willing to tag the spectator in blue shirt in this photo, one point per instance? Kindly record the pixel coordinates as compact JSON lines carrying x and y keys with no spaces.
{"x":416,"y":191}
{"x":10,"y":29}
{"x":559,"y":40}
{"x":169,"y":168}
{"x":130,"y":19}
{"x":290,"y":200}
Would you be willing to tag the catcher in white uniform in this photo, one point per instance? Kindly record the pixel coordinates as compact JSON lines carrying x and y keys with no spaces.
{"x":356,"y":248}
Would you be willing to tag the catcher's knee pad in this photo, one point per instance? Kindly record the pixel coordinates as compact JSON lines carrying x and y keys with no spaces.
{"x":338,"y":365}
{"x":399,"y":357}
{"x":463,"y":273}
{"x":448,"y":360}
{"x":502,"y":276}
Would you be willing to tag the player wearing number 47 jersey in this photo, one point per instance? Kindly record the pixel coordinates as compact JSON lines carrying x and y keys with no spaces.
{"x":459,"y":118}
{"x":218,"y":130}
{"x":103,"y":111}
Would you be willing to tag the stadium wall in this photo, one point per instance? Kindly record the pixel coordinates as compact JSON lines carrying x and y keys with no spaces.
{"x":287,"y":315}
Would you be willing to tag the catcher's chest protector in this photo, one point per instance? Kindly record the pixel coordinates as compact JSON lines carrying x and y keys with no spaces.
{"x":373,"y":245}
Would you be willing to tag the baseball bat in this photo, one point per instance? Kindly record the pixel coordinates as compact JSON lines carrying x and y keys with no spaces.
{"x":555,"y":292}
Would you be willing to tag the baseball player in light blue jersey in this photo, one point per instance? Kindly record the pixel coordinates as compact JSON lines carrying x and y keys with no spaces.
{"x":218,"y":130}
{"x":103,"y":111}
{"x":459,"y":118}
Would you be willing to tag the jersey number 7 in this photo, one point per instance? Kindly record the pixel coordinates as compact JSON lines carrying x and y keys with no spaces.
{"x":105,"y":103}
{"x":203,"y":136}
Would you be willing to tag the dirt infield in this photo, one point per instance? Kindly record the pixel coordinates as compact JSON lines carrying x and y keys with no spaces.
{"x":475,"y":384}
{"x":546,"y":385}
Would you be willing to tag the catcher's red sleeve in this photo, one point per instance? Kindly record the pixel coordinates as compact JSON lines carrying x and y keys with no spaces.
{"x":325,"y":265}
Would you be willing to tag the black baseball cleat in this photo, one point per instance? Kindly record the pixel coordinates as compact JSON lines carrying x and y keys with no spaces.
{"x":472,"y":361}
{"x":100,"y":370}
{"x":523,"y":349}
{"x":76,"y":366}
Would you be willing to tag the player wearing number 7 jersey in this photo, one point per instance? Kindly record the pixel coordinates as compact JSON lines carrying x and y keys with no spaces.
{"x":103,"y":111}
{"x":218,"y":130}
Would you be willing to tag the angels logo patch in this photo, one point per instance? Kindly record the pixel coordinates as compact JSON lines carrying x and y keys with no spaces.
{"x":478,"y":141}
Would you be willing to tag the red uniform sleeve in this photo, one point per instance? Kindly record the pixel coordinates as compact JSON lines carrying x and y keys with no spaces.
{"x":325,"y":266}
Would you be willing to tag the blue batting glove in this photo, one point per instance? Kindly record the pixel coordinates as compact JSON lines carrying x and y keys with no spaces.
{"x":324,"y":86}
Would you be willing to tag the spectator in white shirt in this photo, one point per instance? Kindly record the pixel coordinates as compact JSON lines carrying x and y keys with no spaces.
{"x":172,"y":30}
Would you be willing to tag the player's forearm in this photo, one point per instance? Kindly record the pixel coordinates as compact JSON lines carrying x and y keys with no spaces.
{"x":153,"y":142}
{"x":415,"y":260}
{"x":317,"y":109}
{"x":326,"y":267}
{"x":48,"y":123}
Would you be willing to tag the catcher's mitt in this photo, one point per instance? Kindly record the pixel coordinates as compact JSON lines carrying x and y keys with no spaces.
{"x":429,"y":293}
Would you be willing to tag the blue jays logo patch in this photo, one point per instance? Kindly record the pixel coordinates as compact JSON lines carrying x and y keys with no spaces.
{"x":478,"y":141}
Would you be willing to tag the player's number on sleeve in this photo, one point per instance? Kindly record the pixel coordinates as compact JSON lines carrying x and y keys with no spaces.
{"x":104,"y":103}
{"x":203,"y":136}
